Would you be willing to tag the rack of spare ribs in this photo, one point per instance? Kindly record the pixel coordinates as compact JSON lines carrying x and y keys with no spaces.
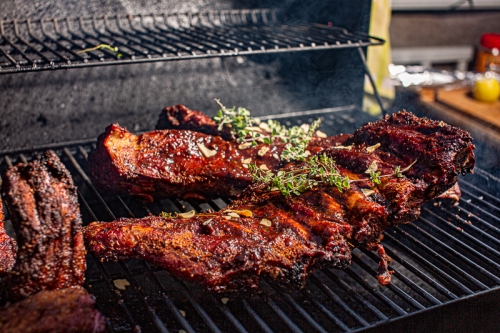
{"x":326,"y":274}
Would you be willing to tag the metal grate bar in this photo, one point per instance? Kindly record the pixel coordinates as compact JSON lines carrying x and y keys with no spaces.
{"x":489,"y":205}
{"x":411,"y":301}
{"x":229,"y":315}
{"x":380,"y":296}
{"x":469,"y":237}
{"x":445,"y":276}
{"x":439,"y":257}
{"x":360,"y":299}
{"x":107,"y":277}
{"x":291,"y":325}
{"x":55,"y":41}
{"x":256,"y":317}
{"x":178,"y":316}
{"x":338,"y":301}
{"x":330,"y":315}
{"x":483,"y":193}
{"x":460,"y":255}
{"x":207,"y":34}
{"x":406,"y":280}
{"x":479,"y":217}
{"x":16,"y":47}
{"x":433,"y":283}
{"x":27,"y":44}
{"x":303,"y":313}
{"x":198,"y":308}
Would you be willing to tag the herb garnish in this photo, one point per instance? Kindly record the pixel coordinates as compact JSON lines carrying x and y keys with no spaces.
{"x":319,"y":169}
{"x":250,"y":131}
{"x":102,"y":46}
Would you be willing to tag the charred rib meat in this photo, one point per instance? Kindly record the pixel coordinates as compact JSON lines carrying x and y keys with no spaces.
{"x":55,"y":311}
{"x":180,"y":163}
{"x":45,"y":214}
{"x":8,"y":247}
{"x":266,"y":234}
{"x":183,"y":118}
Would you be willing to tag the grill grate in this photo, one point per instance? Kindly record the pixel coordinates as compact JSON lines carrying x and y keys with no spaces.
{"x":47,"y":44}
{"x":449,"y":253}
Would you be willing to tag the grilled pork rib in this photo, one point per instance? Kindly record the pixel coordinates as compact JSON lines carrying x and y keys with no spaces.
{"x":182,"y":118}
{"x":8,"y":247}
{"x":56,"y":311}
{"x":172,"y":163}
{"x":286,"y":238}
{"x":43,"y":204}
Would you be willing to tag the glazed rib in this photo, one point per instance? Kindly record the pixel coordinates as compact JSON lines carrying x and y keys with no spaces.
{"x":56,"y":311}
{"x":285,"y":238}
{"x":44,"y":210}
{"x":8,"y":247}
{"x":182,"y":118}
{"x":170,"y":163}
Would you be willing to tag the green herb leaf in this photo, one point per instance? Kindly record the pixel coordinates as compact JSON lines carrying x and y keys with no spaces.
{"x":253,"y":131}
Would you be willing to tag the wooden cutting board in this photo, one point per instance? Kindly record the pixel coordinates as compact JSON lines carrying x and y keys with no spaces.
{"x":461,"y":100}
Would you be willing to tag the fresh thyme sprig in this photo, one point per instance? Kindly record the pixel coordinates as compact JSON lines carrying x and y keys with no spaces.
{"x":250,"y":131}
{"x":319,"y":169}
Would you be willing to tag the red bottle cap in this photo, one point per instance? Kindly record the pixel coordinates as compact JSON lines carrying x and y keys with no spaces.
{"x":491,"y":41}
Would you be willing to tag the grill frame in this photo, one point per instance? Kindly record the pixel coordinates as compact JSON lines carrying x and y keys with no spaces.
{"x":345,"y":301}
{"x":50,"y":44}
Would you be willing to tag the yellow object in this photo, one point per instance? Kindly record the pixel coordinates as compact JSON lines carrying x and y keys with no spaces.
{"x":379,"y":57}
{"x":486,"y":90}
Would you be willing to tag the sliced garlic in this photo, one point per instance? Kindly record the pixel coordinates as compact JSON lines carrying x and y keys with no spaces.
{"x":276,"y":156}
{"x":245,"y":145}
{"x":320,"y":134}
{"x":262,"y":151}
{"x":205,"y":151}
{"x":343,"y":147}
{"x":183,"y":313}
{"x":233,"y":214}
{"x":372,"y":148}
{"x":186,"y":215}
{"x":304,"y":128}
{"x":307,"y":153}
{"x":224,"y":300}
{"x":254,"y":128}
{"x":244,"y":212}
{"x":247,"y":161}
{"x":372,"y":168}
{"x":207,"y":221}
{"x":121,"y":284}
{"x":265,"y":222}
{"x":265,"y":127}
{"x":264,"y":167}
{"x":367,"y":192}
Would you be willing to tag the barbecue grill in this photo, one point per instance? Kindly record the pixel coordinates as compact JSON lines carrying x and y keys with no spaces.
{"x":445,"y":262}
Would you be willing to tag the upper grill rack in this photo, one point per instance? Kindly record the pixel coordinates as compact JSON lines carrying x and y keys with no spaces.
{"x":47,"y":44}
{"x":449,"y":253}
